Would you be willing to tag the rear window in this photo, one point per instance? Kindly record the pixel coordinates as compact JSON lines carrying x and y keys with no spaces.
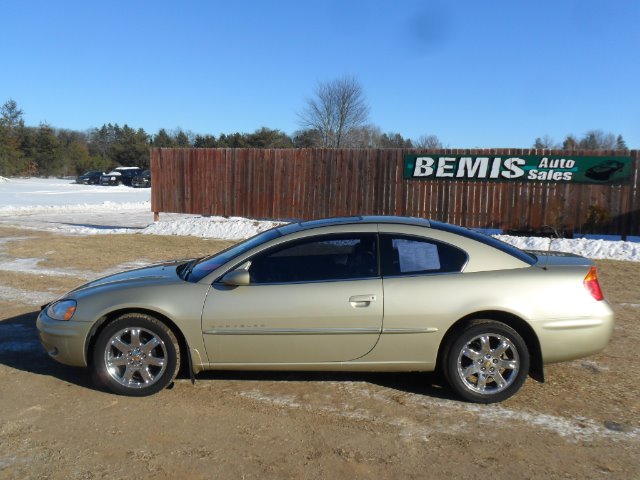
{"x":407,"y":255}
{"x":487,"y":240}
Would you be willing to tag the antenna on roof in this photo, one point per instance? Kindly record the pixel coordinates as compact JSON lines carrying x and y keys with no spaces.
{"x":554,"y":234}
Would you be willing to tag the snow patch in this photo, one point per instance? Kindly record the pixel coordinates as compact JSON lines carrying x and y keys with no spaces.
{"x":66,"y":207}
{"x":30,"y":266}
{"x":105,"y":206}
{"x":595,"y":249}
{"x":8,"y":461}
{"x":25,"y":297}
{"x":572,"y":429}
{"x":234,"y":228}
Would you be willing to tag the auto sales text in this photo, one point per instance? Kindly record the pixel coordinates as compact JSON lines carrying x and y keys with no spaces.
{"x":496,"y":168}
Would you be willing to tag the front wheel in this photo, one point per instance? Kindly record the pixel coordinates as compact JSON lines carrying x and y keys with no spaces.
{"x":487,"y":362}
{"x":136,"y":355}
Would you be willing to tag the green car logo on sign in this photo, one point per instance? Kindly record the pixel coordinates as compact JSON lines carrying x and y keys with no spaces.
{"x":523,"y":168}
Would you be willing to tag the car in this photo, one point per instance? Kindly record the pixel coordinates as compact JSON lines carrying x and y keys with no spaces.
{"x":368,"y":293}
{"x":92,"y":177}
{"x":120,"y":176}
{"x":142,"y":181}
{"x":605,"y":170}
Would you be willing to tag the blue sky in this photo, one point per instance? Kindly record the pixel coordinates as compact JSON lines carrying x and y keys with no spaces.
{"x":474,"y":73}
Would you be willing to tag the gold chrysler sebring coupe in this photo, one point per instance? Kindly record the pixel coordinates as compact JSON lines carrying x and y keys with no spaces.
{"x":353,"y":294}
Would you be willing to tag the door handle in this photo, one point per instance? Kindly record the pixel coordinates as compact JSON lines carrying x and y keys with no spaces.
{"x":362,"y":298}
{"x":358,"y":301}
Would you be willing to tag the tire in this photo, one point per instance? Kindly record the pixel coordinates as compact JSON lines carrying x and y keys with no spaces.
{"x":486,"y":362}
{"x":136,"y":355}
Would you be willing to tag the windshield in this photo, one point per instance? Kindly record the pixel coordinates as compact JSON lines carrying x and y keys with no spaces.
{"x":206,"y":265}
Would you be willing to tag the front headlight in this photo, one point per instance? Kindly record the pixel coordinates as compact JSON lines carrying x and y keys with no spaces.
{"x":62,"y":310}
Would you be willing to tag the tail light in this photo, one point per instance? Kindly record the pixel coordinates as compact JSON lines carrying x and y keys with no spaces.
{"x":591,"y":283}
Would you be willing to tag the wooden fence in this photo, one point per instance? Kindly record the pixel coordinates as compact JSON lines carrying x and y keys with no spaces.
{"x":316,"y":183}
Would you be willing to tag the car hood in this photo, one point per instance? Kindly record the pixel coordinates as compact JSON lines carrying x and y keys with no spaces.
{"x":153,"y":274}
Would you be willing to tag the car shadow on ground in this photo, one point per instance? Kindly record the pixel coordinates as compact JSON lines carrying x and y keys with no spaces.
{"x":20,"y":349}
{"x":427,"y":384}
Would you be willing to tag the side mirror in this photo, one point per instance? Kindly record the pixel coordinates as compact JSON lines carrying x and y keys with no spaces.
{"x":237,"y":278}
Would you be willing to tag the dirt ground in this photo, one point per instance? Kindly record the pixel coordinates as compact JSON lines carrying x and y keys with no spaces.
{"x":583,"y":423}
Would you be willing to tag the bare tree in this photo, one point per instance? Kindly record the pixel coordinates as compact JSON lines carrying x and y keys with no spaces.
{"x":595,"y":140}
{"x":546,"y":142}
{"x":598,"y":140}
{"x":339,"y":107}
{"x":428,"y":142}
{"x":365,"y":136}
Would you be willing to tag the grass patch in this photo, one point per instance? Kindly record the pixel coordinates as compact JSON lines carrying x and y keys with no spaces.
{"x":620,"y":280}
{"x":7,"y":232}
{"x":99,"y":252}
{"x":41,"y":283}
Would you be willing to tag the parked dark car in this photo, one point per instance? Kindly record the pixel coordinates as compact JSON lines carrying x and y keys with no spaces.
{"x":605,"y":170}
{"x":120,"y":176}
{"x":92,"y":177}
{"x":142,"y":181}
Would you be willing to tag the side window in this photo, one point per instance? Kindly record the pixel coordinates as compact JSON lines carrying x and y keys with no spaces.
{"x":323,"y":258}
{"x":406,"y":255}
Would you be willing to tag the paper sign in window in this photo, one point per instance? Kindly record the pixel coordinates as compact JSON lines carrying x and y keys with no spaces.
{"x":416,"y":256}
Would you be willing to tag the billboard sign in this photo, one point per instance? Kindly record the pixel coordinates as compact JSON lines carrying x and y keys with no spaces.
{"x":519,"y":168}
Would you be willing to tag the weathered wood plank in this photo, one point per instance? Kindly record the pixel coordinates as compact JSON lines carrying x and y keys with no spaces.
{"x":315,"y":183}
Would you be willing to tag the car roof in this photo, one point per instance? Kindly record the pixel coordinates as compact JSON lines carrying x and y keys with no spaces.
{"x":363,"y":219}
{"x":413,"y":221}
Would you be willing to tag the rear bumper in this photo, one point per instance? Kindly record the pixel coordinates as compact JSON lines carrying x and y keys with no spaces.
{"x":64,"y":341}
{"x":570,"y":338}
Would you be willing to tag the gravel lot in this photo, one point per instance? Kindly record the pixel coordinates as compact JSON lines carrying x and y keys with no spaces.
{"x":583,"y":423}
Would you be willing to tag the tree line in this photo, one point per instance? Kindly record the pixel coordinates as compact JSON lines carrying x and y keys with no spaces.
{"x":335,"y":117}
{"x":48,"y":151}
{"x":592,"y":140}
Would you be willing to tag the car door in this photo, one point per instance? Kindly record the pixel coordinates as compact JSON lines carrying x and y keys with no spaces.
{"x":424,"y":293}
{"x":314,"y":300}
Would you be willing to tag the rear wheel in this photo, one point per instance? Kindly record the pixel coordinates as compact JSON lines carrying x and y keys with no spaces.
{"x":487,"y":362}
{"x":136,"y":355}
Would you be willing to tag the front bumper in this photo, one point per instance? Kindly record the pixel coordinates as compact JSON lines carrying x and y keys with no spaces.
{"x":64,"y":341}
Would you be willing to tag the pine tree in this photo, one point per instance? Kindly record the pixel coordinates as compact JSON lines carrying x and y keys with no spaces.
{"x":570,"y":143}
{"x":162,"y":139}
{"x":621,"y":144}
{"x":182,"y":140}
